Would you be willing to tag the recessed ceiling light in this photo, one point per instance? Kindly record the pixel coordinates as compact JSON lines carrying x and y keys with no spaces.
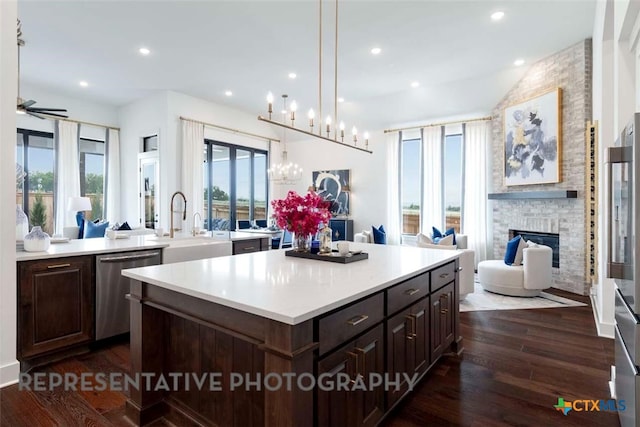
{"x":144,"y":51}
{"x":340,"y":99}
{"x":83,"y":83}
{"x":496,"y":16}
{"x":415,"y":84}
{"x":228,"y":93}
{"x":518,"y":62}
{"x":376,"y":50}
{"x":292,"y":75}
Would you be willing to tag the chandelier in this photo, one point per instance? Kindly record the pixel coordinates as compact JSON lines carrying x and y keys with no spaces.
{"x":325,"y":131}
{"x":285,"y":172}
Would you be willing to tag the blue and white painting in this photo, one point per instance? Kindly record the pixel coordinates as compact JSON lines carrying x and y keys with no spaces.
{"x":532,"y":140}
{"x":334,"y":186}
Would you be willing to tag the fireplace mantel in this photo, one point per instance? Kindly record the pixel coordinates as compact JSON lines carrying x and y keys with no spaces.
{"x":522,"y":195}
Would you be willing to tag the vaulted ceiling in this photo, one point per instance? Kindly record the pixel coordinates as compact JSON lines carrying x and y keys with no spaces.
{"x":463,"y":61}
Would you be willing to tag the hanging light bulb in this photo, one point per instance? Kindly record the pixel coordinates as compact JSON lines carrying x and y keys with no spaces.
{"x":354,"y":132}
{"x":366,"y":140}
{"x":311,"y":114}
{"x":270,"y":102}
{"x":328,"y":122}
{"x":342,"y":131}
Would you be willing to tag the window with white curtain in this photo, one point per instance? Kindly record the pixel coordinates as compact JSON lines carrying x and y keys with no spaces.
{"x":36,"y":154}
{"x":411,"y":186}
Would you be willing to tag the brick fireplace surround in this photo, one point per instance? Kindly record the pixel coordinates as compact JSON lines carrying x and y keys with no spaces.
{"x":569,"y":69}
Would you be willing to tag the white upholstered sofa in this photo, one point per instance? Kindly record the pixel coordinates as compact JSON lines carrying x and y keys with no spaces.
{"x":526,"y":280}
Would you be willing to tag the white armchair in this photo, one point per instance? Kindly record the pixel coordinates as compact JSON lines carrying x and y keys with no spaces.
{"x":526,"y":280}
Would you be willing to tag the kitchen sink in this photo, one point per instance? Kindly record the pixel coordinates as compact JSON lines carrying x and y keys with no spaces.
{"x":192,"y":248}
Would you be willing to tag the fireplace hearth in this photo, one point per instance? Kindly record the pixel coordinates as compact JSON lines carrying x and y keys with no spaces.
{"x":548,"y":239}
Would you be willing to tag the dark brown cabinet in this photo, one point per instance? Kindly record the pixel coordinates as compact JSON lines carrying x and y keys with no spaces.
{"x":357,"y":360}
{"x":443,"y":317}
{"x":55,"y":306}
{"x":250,"y":246}
{"x":407,"y":346}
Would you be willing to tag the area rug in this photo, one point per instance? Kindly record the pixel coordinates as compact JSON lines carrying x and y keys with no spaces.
{"x":481,"y":300}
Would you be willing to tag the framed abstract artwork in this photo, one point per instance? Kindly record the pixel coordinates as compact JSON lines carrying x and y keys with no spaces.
{"x":533,"y":140}
{"x":334,"y":186}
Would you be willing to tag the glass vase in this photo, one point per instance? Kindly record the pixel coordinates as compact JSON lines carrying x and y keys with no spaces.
{"x":301,"y":242}
{"x":22,"y":223}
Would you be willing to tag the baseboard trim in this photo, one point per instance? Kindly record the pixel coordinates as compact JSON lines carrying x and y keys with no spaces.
{"x":605,"y":329}
{"x":9,"y":374}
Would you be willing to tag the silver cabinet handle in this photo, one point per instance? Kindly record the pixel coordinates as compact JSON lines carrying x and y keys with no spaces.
{"x":459,"y":269}
{"x":358,"y":319}
{"x":411,"y":291}
{"x":444,"y":275}
{"x":129,"y":257}
{"x":249,"y":248}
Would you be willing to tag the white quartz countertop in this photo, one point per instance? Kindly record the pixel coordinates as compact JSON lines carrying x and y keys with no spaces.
{"x":76,"y":247}
{"x":291,"y":290}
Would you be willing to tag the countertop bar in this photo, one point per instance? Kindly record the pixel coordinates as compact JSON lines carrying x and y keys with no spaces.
{"x":78,"y":247}
{"x":291,"y":290}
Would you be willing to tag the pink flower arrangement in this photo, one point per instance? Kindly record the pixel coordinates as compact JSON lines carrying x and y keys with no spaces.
{"x":301,"y":215}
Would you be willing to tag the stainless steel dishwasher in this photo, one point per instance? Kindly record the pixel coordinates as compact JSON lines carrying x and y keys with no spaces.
{"x":112,"y":308}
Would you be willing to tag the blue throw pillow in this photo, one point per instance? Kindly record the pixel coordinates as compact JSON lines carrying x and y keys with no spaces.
{"x":92,"y":230}
{"x":437,"y":234}
{"x":379,"y":235}
{"x":512,"y":249}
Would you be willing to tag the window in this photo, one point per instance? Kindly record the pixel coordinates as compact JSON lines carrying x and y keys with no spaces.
{"x":35,"y":153}
{"x":150,"y":143}
{"x":235,"y":181}
{"x":92,"y":168}
{"x":452,"y":181}
{"x":410,"y":186}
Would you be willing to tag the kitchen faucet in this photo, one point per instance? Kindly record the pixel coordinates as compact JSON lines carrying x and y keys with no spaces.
{"x":194,"y":229}
{"x":184,"y":213}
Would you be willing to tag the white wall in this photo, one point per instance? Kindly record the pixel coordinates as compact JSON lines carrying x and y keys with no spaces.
{"x":369,"y":174}
{"x":160,"y":114}
{"x":9,"y":367}
{"x":77,"y":109}
{"x":140,"y":119}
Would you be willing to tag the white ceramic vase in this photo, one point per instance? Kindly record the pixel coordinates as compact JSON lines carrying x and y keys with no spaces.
{"x":37,"y":240}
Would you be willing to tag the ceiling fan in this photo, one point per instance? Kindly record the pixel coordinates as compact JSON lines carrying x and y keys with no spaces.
{"x":25,"y":107}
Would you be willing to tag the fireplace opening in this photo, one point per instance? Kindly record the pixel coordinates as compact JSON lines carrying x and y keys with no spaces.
{"x":548,"y":239}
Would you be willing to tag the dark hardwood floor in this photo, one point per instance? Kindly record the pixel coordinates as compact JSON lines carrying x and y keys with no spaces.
{"x":515,"y":365}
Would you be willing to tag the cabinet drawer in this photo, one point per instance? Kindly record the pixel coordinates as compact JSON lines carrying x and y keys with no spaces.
{"x":246,"y":246}
{"x":407,"y":293}
{"x":339,"y":327}
{"x":443,"y":275}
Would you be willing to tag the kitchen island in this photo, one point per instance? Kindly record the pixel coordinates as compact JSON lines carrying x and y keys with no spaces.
{"x":244,"y":318}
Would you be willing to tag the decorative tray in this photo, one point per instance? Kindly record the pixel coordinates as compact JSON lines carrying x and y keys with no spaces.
{"x":333,"y":257}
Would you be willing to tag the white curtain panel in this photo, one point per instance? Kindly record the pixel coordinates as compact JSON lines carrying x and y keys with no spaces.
{"x":192,"y":169}
{"x":67,"y":173}
{"x":476,"y":146}
{"x":432,"y":209}
{"x":112,"y":180}
{"x":393,"y":189}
